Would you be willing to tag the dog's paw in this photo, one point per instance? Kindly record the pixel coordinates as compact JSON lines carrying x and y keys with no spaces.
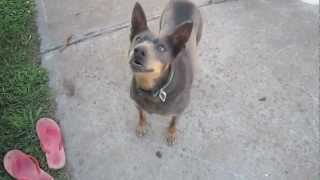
{"x":171,"y":138}
{"x":141,"y":130}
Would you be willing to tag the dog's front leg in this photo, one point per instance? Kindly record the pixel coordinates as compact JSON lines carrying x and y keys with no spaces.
{"x":142,"y":125}
{"x":172,"y":131}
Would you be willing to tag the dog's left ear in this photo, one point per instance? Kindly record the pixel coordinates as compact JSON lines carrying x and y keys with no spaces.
{"x":180,"y":36}
{"x":138,"y":21}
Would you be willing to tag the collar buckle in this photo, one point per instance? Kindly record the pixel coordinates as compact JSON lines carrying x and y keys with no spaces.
{"x":162,"y":95}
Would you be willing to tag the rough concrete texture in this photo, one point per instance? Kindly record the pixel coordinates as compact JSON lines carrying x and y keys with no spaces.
{"x":254,"y":109}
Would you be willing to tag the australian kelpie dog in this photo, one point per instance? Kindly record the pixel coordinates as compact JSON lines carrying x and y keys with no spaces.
{"x":163,"y":63}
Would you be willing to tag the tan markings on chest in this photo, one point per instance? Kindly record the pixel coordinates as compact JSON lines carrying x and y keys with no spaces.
{"x":146,"y":81}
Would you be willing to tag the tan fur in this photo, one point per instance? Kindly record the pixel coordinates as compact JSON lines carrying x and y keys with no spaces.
{"x":146,"y":80}
{"x":141,"y":128}
{"x":172,"y":131}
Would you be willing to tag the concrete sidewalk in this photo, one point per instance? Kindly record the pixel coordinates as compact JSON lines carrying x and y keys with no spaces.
{"x":254,"y":109}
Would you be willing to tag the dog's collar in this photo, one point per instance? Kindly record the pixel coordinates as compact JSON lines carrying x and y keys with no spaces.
{"x":162,"y":92}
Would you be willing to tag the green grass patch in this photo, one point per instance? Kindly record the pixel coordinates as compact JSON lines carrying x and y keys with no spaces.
{"x":24,"y":92}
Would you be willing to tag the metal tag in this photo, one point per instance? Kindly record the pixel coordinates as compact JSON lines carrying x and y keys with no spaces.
{"x":162,"y":95}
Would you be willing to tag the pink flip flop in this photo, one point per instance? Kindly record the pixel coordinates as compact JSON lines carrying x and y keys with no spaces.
{"x":22,"y":166}
{"x":51,"y":141}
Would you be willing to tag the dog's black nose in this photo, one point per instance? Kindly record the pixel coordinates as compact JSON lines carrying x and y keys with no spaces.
{"x":139,"y":52}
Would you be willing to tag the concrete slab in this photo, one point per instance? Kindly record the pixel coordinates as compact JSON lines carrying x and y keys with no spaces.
{"x":68,"y":17}
{"x":254,"y":109}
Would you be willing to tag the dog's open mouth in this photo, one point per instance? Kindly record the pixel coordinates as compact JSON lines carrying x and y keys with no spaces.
{"x":137,"y":66}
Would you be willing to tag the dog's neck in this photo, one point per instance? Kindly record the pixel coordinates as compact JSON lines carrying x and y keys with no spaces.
{"x":152,"y":80}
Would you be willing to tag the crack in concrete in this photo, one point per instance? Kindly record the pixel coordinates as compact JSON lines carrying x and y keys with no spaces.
{"x":106,"y":30}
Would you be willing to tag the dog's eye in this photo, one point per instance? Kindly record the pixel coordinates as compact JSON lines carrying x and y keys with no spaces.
{"x":161,"y":48}
{"x":138,"y":39}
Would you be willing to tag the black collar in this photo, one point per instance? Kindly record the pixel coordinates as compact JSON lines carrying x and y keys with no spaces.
{"x":160,"y":92}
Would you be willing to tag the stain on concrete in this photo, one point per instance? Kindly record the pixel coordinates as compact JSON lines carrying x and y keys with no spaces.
{"x":69,"y":87}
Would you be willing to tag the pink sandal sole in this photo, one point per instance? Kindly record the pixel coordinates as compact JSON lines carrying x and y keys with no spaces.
{"x":22,"y":166}
{"x":51,"y":141}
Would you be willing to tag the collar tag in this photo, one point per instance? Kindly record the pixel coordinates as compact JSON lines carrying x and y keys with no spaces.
{"x":162,"y":95}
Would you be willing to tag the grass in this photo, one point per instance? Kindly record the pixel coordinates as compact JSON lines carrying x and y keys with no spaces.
{"x":24,"y":92}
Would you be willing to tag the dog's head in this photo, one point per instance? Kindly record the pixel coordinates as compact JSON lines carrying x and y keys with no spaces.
{"x":150,"y":52}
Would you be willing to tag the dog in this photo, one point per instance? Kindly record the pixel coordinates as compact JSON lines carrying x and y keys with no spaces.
{"x":163,"y":63}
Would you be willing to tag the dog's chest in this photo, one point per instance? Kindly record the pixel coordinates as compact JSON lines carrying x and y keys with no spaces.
{"x":151,"y":103}
{"x":174,"y":103}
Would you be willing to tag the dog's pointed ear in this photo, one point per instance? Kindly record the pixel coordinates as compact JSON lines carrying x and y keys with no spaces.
{"x":180,"y":36}
{"x":138,"y":21}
